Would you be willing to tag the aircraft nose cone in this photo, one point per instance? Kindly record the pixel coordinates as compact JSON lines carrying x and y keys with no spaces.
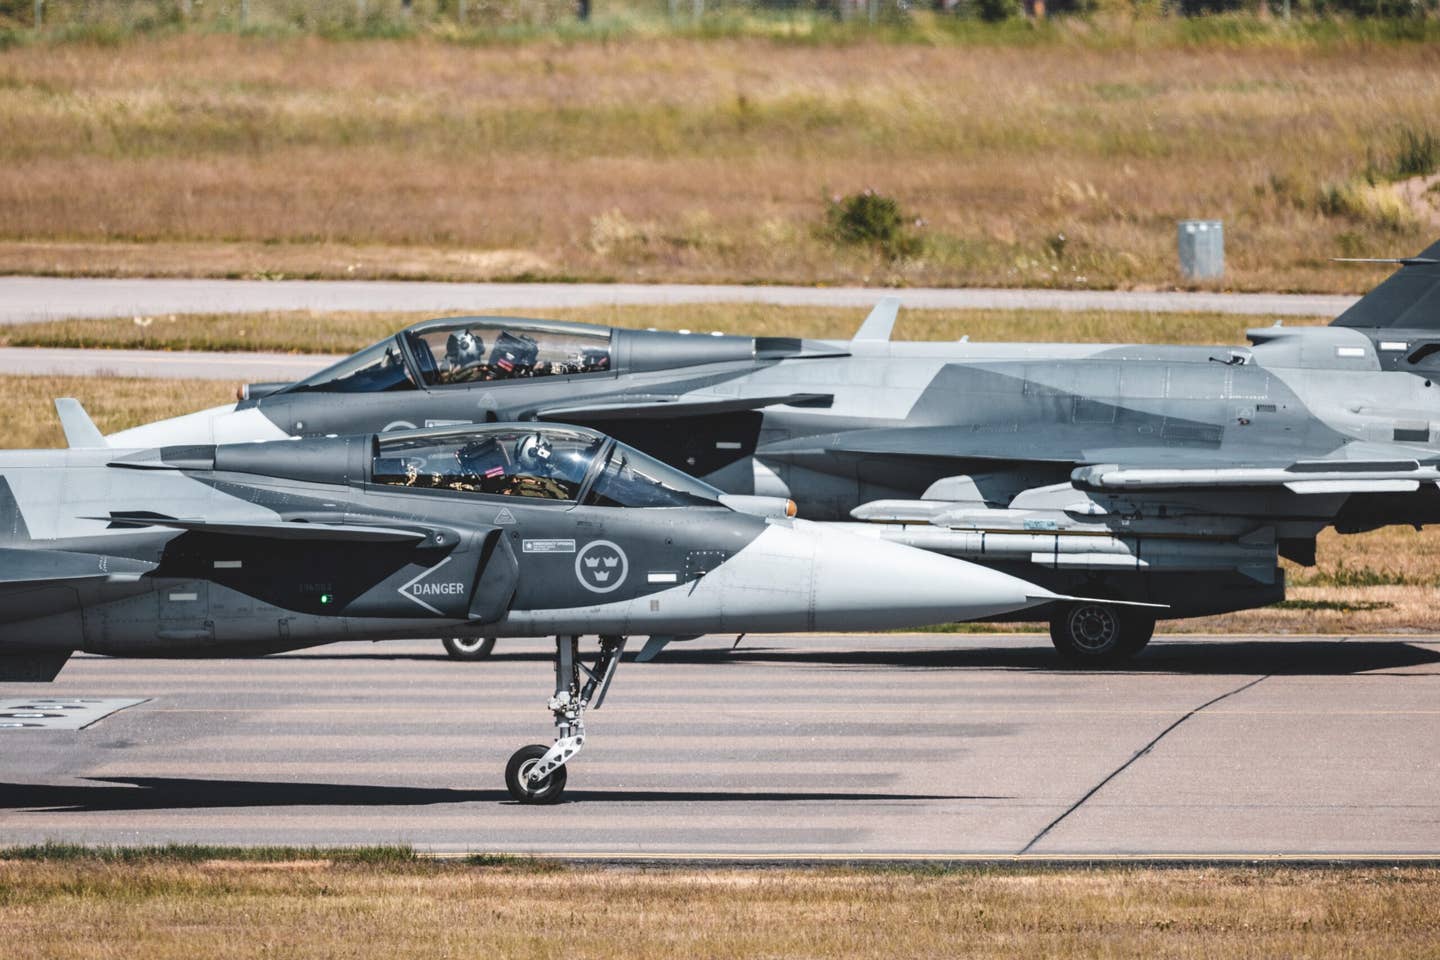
{"x":863,"y":584}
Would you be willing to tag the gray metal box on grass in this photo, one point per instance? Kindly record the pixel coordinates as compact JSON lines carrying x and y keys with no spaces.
{"x":1202,"y":249}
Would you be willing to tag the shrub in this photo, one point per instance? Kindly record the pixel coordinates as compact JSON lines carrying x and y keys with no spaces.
{"x":1418,"y":155}
{"x":994,"y":11}
{"x":874,"y":220}
{"x":1375,"y":204}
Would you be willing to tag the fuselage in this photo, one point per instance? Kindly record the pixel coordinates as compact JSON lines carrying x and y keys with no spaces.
{"x":262,"y":547}
{"x":839,"y":427}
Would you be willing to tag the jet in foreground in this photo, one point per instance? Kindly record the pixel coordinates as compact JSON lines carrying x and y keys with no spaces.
{"x":1168,"y":474}
{"x":523,"y":530}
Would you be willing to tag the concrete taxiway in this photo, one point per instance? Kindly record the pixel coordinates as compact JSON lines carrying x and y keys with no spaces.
{"x":30,"y":299}
{"x":855,"y":746}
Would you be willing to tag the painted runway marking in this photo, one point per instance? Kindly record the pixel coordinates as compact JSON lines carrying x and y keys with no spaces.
{"x":59,"y":713}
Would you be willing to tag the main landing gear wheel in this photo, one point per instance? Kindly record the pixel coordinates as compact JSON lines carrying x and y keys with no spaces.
{"x":536,"y":774}
{"x":468,"y":648}
{"x":1100,"y":634}
{"x":517,"y":777}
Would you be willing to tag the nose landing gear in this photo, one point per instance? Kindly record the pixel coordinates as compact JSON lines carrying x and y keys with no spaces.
{"x":536,"y":774}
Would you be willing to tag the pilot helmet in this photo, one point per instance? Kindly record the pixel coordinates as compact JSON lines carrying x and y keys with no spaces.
{"x":464,"y":348}
{"x":535,"y":455}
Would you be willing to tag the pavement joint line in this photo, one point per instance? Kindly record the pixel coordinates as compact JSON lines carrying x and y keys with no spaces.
{"x":1138,"y":754}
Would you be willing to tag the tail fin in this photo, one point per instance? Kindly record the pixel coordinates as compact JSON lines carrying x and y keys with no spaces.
{"x":877,"y":326}
{"x":1408,"y":300}
{"x":80,"y":430}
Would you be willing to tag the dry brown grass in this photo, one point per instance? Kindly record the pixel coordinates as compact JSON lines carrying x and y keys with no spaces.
{"x":114,"y":403}
{"x":84,"y":909}
{"x":679,"y":159}
{"x":340,"y":331}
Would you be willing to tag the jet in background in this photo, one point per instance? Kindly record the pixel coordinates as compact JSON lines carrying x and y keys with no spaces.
{"x":204,"y":550}
{"x":1175,"y":475}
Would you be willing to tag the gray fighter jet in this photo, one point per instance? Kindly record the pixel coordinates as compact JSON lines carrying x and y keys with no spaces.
{"x":1169,"y":474}
{"x":247,"y":549}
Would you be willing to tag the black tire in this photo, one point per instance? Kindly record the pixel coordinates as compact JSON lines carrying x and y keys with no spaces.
{"x":548,"y":790}
{"x":469,"y":648}
{"x":1100,"y":634}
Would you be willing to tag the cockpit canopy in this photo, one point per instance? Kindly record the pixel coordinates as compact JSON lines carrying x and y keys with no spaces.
{"x":465,"y":350}
{"x":471,"y":350}
{"x":539,"y":462}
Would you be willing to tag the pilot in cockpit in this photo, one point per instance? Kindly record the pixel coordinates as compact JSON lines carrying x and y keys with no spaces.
{"x":539,"y":470}
{"x":464,"y":357}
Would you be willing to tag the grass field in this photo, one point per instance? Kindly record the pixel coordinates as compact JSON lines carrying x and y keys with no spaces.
{"x":1054,"y":163}
{"x":341,"y":332}
{"x":388,"y":906}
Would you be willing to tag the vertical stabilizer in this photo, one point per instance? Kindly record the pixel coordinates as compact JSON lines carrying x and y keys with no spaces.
{"x":877,"y":326}
{"x":1409,"y":299}
{"x":80,"y":430}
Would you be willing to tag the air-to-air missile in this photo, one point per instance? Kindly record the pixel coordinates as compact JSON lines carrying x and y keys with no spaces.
{"x":477,"y":530}
{"x":1171,"y":474}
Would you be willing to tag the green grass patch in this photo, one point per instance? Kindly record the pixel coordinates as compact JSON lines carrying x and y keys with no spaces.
{"x":1344,"y":575}
{"x":1337,"y":606}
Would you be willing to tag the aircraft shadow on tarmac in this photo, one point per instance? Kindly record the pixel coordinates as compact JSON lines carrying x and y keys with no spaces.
{"x":1189,"y":656}
{"x":1298,"y":658}
{"x":106,"y":794}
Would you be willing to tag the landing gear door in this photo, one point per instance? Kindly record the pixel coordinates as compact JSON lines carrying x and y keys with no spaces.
{"x":497,"y":579}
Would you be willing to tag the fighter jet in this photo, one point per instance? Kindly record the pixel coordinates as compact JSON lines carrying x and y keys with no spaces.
{"x":1169,"y":474}
{"x":205,"y":550}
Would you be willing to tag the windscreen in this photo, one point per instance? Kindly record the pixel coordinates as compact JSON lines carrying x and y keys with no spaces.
{"x":633,"y":479}
{"x":548,"y":464}
{"x":375,"y":369}
{"x":470,"y":351}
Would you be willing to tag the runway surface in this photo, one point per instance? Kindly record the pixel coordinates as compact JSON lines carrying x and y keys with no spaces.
{"x":30,"y":299}
{"x":807,"y":746}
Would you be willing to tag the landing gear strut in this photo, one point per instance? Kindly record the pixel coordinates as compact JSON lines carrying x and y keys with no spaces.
{"x":536,"y":774}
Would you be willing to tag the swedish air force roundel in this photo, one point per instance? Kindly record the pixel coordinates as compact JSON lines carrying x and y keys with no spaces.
{"x":601,"y":566}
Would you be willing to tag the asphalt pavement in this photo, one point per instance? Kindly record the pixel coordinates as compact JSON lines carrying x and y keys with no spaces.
{"x":826,"y":746}
{"x":31,"y":299}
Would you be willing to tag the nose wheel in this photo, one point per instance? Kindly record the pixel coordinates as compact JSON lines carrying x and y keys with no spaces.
{"x":518,"y":781}
{"x":468,"y":648}
{"x":536,"y":774}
